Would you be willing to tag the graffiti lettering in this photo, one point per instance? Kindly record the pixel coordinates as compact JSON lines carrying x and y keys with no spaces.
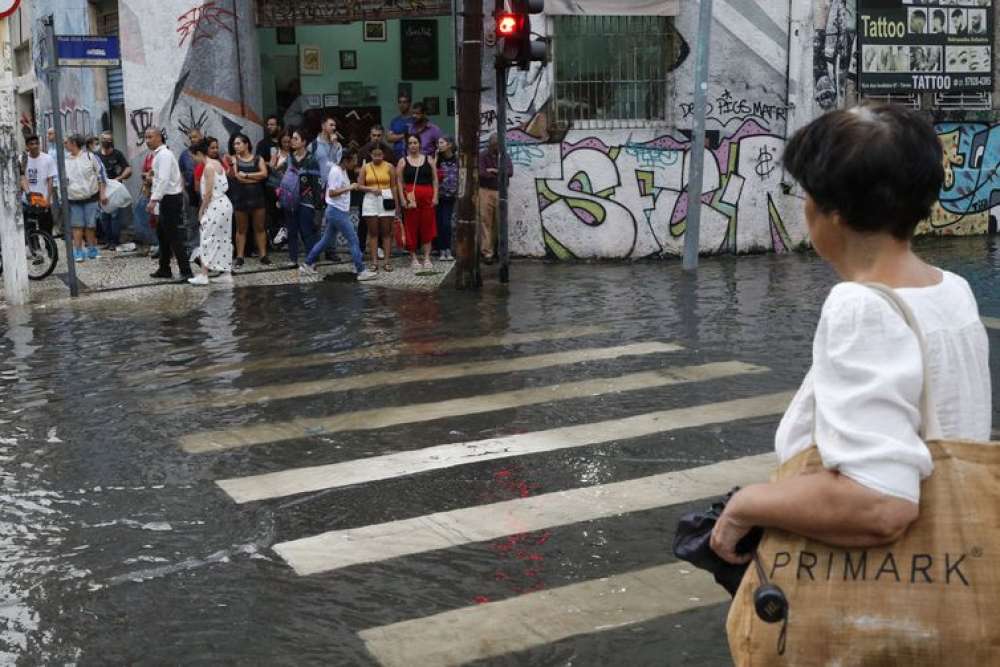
{"x":523,"y":154}
{"x":141,"y":120}
{"x":727,"y":108}
{"x":630,"y":200}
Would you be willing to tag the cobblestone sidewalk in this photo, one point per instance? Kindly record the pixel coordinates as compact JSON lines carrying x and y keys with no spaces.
{"x":116,"y":273}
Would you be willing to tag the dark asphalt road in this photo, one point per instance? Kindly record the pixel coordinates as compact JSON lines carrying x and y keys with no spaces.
{"x":118,"y":546}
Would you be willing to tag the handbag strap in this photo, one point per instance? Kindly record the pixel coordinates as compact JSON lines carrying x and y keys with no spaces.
{"x":930,"y":428}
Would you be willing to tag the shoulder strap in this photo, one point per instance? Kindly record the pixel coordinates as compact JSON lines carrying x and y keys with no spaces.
{"x":930,"y":429}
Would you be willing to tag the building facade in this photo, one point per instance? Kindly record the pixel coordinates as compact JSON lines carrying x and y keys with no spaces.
{"x":599,"y":137}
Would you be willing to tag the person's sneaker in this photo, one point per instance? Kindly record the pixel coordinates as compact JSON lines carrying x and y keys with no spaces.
{"x":238,"y":263}
{"x":367,"y":275}
{"x":93,"y":253}
{"x":77,"y":255}
{"x":126,"y":247}
{"x":161,"y":274}
{"x":306,"y":270}
{"x":265,"y":260}
{"x":446,"y":256}
{"x":427,"y":264}
{"x":200,"y":279}
{"x":381,"y":253}
{"x":281,"y":236}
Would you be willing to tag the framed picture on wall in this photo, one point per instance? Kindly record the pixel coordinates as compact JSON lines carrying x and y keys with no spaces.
{"x":374,"y":31}
{"x":419,"y":49}
{"x":285,"y":34}
{"x":313,"y":101}
{"x":348,"y":60}
{"x":310,"y":60}
{"x":432,"y":105}
{"x":331,"y":100}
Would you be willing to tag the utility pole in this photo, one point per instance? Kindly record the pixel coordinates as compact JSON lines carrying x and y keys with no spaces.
{"x":470,"y":86}
{"x":696,"y":178}
{"x":53,"y":75}
{"x":15,"y":263}
{"x":503,"y":233}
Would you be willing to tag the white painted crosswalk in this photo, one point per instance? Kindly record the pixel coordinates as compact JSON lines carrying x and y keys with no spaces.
{"x":381,"y":351}
{"x":991,"y":322}
{"x":274,"y":432}
{"x":343,"y":548}
{"x":399,"y":464}
{"x":528,"y":620}
{"x":468,"y":634}
{"x":418,"y":374}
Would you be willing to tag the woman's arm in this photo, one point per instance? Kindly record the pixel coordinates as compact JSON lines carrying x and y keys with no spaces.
{"x":210,"y":187}
{"x":824,"y":506}
{"x":260,"y":174}
{"x":394,"y":187}
{"x":434,"y":177}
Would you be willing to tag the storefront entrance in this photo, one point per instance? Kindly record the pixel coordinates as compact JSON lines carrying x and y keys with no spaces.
{"x":353,"y":60}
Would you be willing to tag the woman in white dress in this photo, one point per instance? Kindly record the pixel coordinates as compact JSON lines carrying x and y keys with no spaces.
{"x":216,"y":216}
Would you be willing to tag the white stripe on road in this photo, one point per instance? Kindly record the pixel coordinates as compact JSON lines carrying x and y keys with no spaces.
{"x":400,"y":348}
{"x":465,"y":635}
{"x":302,"y":427}
{"x":342,"y":548}
{"x":421,"y":374}
{"x":991,"y":322}
{"x":399,"y":464}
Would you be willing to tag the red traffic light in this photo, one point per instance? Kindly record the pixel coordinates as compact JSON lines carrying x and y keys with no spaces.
{"x":509,"y":25}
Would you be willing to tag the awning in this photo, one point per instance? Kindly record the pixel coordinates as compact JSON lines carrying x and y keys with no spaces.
{"x":613,"y":7}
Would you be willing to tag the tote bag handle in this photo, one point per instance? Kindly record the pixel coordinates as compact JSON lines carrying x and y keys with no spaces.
{"x":930,"y":428}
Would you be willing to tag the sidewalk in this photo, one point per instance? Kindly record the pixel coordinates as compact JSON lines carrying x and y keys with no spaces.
{"x":119,"y":273}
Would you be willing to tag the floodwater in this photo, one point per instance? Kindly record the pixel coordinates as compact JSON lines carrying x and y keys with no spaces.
{"x":117,"y":546}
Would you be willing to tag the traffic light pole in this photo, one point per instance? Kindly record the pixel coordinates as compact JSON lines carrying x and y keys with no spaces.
{"x":502,"y":175}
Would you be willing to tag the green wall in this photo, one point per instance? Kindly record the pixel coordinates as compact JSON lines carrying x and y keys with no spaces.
{"x":379,"y":64}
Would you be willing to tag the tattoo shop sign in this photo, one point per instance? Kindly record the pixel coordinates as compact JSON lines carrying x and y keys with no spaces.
{"x":925,"y":45}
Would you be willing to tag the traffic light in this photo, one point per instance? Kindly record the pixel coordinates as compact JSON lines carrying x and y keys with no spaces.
{"x":515,"y":45}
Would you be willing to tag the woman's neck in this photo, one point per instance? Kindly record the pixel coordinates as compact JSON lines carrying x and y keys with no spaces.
{"x":880,"y":258}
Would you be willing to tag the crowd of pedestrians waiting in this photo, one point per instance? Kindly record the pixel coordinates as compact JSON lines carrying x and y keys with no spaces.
{"x":212,"y":208}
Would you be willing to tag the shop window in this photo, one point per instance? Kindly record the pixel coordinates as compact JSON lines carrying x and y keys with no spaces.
{"x":611,"y":71}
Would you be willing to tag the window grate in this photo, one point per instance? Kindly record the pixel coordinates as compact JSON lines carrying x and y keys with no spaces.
{"x":611,"y":71}
{"x":908,"y":100}
{"x":963,"y":101}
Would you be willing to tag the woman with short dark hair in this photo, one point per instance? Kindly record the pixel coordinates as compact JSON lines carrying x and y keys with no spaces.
{"x":870,"y":175}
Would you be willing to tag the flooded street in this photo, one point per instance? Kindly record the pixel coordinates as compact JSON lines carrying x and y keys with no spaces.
{"x":246,"y":477}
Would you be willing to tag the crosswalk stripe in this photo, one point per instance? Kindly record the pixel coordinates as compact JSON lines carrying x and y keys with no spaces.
{"x":342,"y":548}
{"x":399,"y":464}
{"x":991,"y":322}
{"x":420,"y":374}
{"x":271,"y":432}
{"x":461,"y":636}
{"x":396,"y":349}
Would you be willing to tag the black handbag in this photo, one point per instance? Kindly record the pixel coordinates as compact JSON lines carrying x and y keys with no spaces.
{"x":692,"y":544}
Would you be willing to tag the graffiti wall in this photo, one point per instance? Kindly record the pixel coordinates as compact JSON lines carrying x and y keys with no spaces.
{"x":83,"y":103}
{"x":190,"y":64}
{"x":970,"y":196}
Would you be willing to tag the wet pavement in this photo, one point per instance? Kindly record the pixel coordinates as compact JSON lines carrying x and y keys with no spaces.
{"x":129,"y":427}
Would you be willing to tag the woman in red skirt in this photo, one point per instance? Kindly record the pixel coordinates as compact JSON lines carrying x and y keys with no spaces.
{"x":418,"y":185}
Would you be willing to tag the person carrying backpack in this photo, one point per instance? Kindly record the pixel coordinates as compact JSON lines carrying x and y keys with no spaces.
{"x":300,"y":196}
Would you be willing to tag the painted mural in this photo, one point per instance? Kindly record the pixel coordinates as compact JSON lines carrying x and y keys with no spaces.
{"x":970,"y":198}
{"x":628,"y":199}
{"x":209,"y":82}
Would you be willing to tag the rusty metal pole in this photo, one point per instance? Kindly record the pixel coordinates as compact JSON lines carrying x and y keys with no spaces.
{"x":470,"y":85}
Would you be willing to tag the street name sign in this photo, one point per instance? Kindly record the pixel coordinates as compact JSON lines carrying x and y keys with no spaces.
{"x":88,"y":51}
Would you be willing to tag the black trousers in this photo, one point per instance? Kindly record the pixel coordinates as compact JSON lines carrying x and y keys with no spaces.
{"x":170,"y":232}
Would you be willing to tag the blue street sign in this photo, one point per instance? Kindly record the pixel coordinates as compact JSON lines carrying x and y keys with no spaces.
{"x":88,"y":51}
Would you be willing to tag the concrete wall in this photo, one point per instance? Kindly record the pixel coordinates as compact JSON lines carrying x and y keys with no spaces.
{"x":187,"y":64}
{"x":83,"y":91}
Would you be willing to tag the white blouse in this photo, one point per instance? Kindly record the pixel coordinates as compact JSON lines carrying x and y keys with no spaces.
{"x":863,"y":389}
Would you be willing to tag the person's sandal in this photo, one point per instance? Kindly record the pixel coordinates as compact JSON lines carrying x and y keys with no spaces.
{"x":373,"y":267}
{"x":387,"y":266}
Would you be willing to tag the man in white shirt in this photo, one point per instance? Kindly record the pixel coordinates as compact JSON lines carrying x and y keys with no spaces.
{"x":37,"y":179}
{"x":167,"y":201}
{"x":338,"y":218}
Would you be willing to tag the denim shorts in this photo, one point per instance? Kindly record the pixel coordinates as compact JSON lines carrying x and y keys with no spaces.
{"x":83,"y":215}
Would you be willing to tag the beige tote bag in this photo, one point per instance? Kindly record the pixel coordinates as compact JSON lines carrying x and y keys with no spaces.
{"x":930,"y":599}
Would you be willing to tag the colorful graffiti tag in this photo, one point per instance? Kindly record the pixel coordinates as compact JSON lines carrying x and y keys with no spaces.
{"x":629,"y":200}
{"x":971,"y":192}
